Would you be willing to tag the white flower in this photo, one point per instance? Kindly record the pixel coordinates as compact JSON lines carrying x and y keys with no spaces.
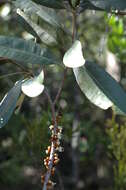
{"x":74,"y":57}
{"x":33,"y":87}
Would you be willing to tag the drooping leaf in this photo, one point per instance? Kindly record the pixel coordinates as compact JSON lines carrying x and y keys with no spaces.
{"x":105,"y":83}
{"x":56,"y":4}
{"x":8,"y":103}
{"x":90,"y":89}
{"x":25,"y":51}
{"x":31,"y":8}
{"x":107,"y":5}
{"x":48,"y":20}
{"x":26,"y":26}
{"x":35,"y":29}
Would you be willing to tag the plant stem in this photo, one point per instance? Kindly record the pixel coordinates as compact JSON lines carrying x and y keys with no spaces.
{"x":52,"y":105}
{"x":60,"y":88}
{"x":65,"y":70}
{"x":74,"y":26}
{"x":51,"y":157}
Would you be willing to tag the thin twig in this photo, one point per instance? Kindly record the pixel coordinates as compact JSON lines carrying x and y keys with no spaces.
{"x":74,"y":35}
{"x":51,"y":103}
{"x":51,"y":157}
{"x":65,"y":71}
{"x":60,"y":88}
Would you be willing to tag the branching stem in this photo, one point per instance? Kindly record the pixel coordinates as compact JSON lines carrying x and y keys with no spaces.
{"x":52,"y":105}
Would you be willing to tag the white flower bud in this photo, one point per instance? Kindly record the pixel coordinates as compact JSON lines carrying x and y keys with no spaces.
{"x":33,"y":87}
{"x":74,"y":57}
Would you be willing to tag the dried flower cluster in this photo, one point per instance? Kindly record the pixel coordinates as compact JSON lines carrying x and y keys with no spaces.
{"x":52,"y":158}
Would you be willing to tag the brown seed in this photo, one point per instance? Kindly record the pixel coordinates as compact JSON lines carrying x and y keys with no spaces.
{"x":56,"y":161}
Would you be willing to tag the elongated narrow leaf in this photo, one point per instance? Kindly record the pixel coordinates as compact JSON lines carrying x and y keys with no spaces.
{"x":8,"y":103}
{"x":44,"y":13}
{"x":86,"y":4}
{"x":47,"y":19}
{"x":26,"y":26}
{"x":57,"y":4}
{"x":90,"y":89}
{"x":25,"y":51}
{"x":41,"y":33}
{"x":107,"y":85}
{"x":107,"y":5}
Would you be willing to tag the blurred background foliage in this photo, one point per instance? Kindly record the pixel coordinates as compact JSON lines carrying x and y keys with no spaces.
{"x":94,"y":141}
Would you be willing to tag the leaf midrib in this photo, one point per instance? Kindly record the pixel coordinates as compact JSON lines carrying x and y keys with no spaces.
{"x":23,"y":52}
{"x":108,"y":95}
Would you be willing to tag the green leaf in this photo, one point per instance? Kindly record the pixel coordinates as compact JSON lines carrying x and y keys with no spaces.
{"x":48,"y":20}
{"x":25,"y":51}
{"x":8,"y":104}
{"x":107,"y":5}
{"x":44,"y":13}
{"x":56,"y":4}
{"x":90,"y":89}
{"x":26,"y":26}
{"x":45,"y":37}
{"x":106,"y":84}
{"x":86,"y":4}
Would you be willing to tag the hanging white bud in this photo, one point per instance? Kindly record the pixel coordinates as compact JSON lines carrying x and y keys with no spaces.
{"x":74,"y":57}
{"x":33,"y":87}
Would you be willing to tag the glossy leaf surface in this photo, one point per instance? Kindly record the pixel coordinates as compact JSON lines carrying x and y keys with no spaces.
{"x":107,"y":5}
{"x":57,"y":4}
{"x":25,"y":51}
{"x":35,"y":29}
{"x":105,"y":83}
{"x":90,"y":89}
{"x":8,"y":103}
{"x":44,"y":13}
